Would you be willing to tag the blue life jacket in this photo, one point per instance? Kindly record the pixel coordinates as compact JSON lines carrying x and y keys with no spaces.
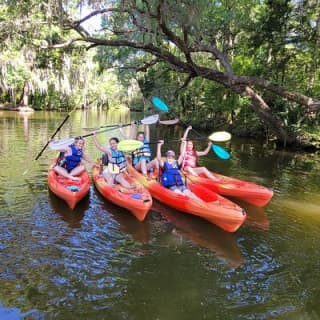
{"x":72,"y":161}
{"x":118,"y":159}
{"x":142,"y":153}
{"x":171,"y":175}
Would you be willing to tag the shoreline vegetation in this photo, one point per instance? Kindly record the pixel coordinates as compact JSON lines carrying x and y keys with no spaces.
{"x":310,"y":141}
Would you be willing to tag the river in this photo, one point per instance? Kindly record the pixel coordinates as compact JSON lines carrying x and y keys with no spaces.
{"x":99,"y":262}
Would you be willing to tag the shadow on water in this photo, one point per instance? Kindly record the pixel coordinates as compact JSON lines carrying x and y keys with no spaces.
{"x":128,"y":224}
{"x":256,"y":216}
{"x":202,"y":233}
{"x":72,"y":217}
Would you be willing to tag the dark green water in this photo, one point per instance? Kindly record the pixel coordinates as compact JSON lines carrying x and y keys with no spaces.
{"x":98,"y":262}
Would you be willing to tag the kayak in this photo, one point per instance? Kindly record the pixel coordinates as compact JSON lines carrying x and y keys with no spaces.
{"x":138,"y":200}
{"x":213,"y":207}
{"x":231,"y":187}
{"x":69,"y":190}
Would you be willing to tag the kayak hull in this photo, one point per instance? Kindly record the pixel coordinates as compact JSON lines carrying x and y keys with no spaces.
{"x":72,"y":192}
{"x":138,"y":201}
{"x":214,"y":208}
{"x":243,"y":190}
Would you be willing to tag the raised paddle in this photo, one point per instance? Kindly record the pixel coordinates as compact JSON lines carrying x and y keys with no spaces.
{"x":63,"y":143}
{"x":218,"y":150}
{"x":147,"y":120}
{"x":54,"y":134}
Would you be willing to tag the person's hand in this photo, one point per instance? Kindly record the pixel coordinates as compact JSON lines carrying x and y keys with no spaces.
{"x":160,"y":142}
{"x":209,"y":144}
{"x":189,"y":128}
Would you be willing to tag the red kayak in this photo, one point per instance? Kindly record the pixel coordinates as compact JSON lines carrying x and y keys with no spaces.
{"x":68,"y":190}
{"x":138,"y":200}
{"x":231,"y":187}
{"x":213,"y":207}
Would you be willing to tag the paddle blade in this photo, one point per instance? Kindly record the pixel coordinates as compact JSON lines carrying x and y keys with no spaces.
{"x":129,"y":145}
{"x":220,"y":136}
{"x":159,"y":104}
{"x":221,"y":152}
{"x":151,"y":119}
{"x":169,"y":122}
{"x":61,"y":144}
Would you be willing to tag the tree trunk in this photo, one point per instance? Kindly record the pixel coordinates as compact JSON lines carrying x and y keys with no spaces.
{"x":25,"y":97}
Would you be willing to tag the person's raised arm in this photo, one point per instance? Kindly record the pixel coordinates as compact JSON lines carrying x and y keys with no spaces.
{"x":147,"y":133}
{"x":185,"y":135}
{"x":98,"y":145}
{"x":206,"y":151}
{"x":132,"y":132}
{"x":183,"y":144}
{"x":159,"y":158}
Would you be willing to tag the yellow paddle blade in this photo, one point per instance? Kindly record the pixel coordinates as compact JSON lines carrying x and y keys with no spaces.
{"x":220,"y":136}
{"x":129,"y":145}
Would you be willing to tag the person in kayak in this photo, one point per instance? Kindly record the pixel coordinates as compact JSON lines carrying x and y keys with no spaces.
{"x":141,"y":158}
{"x":116,"y":163}
{"x":171,"y":177}
{"x":69,"y":161}
{"x":190,"y":156}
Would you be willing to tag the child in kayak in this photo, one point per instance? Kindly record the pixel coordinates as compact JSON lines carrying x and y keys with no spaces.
{"x":171,"y":177}
{"x":117,"y":163}
{"x":69,"y":163}
{"x":141,"y":158}
{"x":190,"y":156}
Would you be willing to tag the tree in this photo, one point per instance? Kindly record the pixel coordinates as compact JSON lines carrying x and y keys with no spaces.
{"x":208,"y":39}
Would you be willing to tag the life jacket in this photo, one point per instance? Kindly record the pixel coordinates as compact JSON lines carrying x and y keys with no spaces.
{"x":73,"y":160}
{"x":171,"y":175}
{"x":118,"y":161}
{"x":189,"y":159}
{"x":142,"y":153}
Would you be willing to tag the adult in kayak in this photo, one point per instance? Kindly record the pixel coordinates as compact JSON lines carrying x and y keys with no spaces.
{"x":190,"y":157}
{"x":141,"y":158}
{"x":171,"y":177}
{"x":115,"y":168}
{"x":69,"y":162}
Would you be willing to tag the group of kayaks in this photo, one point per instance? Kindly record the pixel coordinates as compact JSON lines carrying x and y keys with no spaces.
{"x":214,"y":207}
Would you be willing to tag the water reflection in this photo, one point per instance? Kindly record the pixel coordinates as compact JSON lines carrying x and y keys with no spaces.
{"x":128,"y":224}
{"x":72,"y":217}
{"x":202,"y":233}
{"x":256,"y":216}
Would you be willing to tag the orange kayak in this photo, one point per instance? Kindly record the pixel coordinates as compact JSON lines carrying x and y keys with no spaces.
{"x":68,"y":190}
{"x":138,"y":201}
{"x":243,"y":190}
{"x":213,"y":207}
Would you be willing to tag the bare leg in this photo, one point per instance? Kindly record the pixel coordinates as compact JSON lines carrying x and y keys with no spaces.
{"x":108,"y":177}
{"x":122,"y":180}
{"x":78,"y":170}
{"x":63,"y":172}
{"x":201,"y":170}
{"x":142,"y":166}
{"x":154,"y":164}
{"x":190,"y":194}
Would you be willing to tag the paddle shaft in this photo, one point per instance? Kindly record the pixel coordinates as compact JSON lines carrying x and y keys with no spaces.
{"x":54,"y":134}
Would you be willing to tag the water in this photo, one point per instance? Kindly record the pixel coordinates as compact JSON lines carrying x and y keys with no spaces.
{"x":99,"y":262}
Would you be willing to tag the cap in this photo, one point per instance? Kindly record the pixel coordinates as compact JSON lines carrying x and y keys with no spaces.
{"x":170,"y":153}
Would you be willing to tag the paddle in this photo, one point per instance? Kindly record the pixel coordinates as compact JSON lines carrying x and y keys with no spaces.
{"x":63,"y":143}
{"x":219,"y":151}
{"x":129,"y":145}
{"x":54,"y":134}
{"x":147,"y":120}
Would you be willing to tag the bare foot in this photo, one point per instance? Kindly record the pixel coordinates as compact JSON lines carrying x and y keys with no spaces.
{"x":75,"y":178}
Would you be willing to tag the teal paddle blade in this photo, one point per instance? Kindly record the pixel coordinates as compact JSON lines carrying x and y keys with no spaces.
{"x":159,"y":104}
{"x":220,"y":152}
